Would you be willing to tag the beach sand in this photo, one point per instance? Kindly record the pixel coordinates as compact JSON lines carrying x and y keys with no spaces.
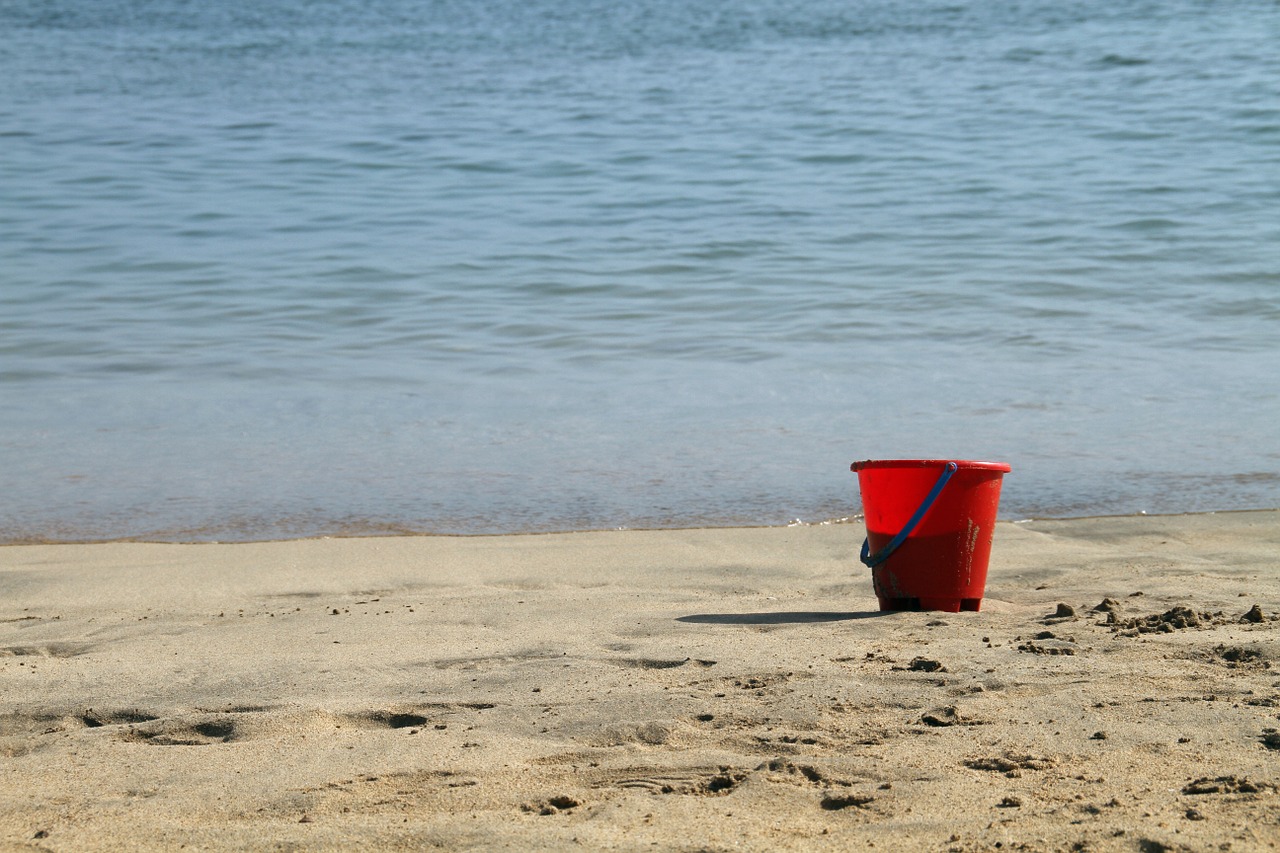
{"x":693,"y":690}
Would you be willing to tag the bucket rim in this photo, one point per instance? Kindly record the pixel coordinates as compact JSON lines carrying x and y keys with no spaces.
{"x":965,"y":464}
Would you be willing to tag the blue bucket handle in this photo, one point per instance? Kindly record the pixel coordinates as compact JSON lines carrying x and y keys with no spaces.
{"x":879,"y":557}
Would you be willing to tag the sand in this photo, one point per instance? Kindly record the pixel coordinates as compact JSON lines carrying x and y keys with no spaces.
{"x":693,"y":690}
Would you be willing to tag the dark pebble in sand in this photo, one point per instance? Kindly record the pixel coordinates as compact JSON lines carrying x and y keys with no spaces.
{"x":926,"y":665}
{"x":833,"y":803}
{"x":563,"y":802}
{"x":942,"y":718}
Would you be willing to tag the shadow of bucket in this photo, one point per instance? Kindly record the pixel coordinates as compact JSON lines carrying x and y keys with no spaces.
{"x":929,"y":529}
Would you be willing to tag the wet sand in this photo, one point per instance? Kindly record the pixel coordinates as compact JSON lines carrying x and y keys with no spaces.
{"x":692,"y":690}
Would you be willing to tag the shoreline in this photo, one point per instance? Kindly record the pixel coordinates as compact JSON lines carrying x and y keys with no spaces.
{"x":853,"y":519}
{"x":686,"y":689}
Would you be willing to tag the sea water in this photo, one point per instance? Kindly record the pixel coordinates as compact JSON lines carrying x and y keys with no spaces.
{"x":318,"y":267}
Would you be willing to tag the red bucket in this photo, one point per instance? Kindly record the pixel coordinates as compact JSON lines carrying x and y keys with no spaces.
{"x":929,"y":529}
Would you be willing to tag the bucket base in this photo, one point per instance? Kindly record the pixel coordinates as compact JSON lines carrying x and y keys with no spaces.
{"x":950,"y":605}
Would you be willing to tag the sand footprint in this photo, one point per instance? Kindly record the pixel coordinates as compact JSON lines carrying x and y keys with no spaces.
{"x":183,"y":732}
{"x":47,"y":650}
{"x":201,"y":728}
{"x":659,"y":663}
{"x":700,"y":781}
{"x":432,"y":714}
